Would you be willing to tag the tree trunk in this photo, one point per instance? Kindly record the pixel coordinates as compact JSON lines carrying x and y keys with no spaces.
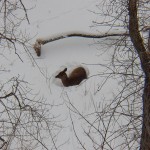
{"x":145,"y":137}
{"x":144,"y":58}
{"x":149,"y":41}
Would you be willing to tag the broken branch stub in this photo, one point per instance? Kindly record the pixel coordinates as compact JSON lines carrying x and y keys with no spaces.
{"x":37,"y":47}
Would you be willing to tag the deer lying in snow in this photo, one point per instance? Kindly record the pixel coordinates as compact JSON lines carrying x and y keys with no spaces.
{"x":75,"y":78}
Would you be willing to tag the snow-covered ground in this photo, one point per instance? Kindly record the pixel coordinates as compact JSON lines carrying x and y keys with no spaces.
{"x":53,"y":17}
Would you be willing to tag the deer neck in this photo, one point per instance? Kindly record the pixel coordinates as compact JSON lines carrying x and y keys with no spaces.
{"x":65,"y":80}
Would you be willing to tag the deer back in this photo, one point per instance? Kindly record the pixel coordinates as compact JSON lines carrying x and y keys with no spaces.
{"x":78,"y":73}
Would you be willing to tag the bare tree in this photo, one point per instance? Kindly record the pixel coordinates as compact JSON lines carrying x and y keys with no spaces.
{"x":11,"y":35}
{"x":26,"y":121}
{"x":144,"y":56}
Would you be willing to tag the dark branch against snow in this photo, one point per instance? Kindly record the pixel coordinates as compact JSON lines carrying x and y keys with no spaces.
{"x":42,"y":41}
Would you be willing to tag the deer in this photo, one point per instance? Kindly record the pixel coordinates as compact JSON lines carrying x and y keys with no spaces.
{"x":75,"y":77}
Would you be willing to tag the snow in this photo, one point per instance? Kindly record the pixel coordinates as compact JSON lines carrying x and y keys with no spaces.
{"x":51,"y":17}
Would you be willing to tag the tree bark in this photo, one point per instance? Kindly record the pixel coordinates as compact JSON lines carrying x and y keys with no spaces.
{"x":149,"y":41}
{"x":144,"y":58}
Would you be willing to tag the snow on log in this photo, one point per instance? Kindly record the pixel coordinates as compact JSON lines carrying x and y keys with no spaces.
{"x":42,"y":41}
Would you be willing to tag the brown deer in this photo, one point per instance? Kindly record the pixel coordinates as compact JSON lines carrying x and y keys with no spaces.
{"x":76,"y":76}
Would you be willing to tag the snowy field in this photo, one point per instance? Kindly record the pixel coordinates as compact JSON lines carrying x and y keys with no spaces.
{"x":47,"y":18}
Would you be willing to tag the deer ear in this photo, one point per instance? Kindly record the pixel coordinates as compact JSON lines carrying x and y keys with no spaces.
{"x":65,"y":70}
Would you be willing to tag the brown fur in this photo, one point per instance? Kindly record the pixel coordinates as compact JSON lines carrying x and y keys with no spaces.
{"x":75,"y":78}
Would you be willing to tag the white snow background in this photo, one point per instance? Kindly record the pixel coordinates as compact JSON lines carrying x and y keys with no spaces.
{"x":47,"y":18}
